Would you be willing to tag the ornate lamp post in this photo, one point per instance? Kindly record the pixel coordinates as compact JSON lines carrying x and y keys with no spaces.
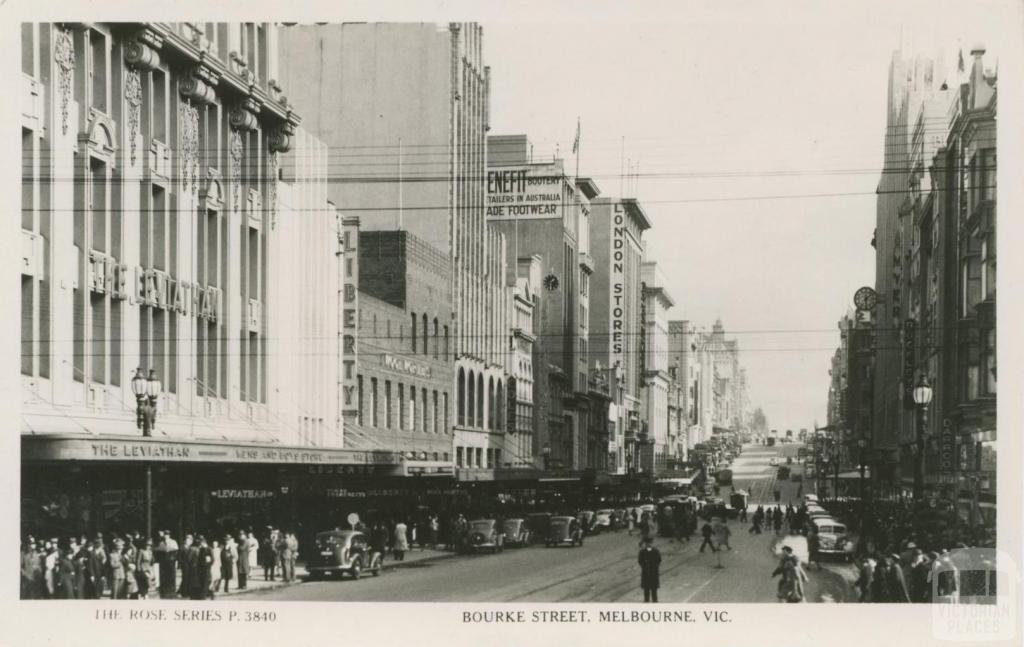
{"x":139,"y":389}
{"x":147,"y":392}
{"x":922,"y":394}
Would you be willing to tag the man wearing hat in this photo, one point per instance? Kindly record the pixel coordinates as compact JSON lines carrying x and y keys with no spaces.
{"x":97,"y":568}
{"x":896,"y":584}
{"x":650,"y":566}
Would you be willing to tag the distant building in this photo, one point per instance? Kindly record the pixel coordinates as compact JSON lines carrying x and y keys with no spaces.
{"x":657,"y":380}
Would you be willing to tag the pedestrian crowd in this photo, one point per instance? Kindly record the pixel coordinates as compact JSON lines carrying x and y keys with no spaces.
{"x":130,"y":566}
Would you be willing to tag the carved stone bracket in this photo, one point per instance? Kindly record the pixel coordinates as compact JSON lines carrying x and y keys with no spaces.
{"x":200,"y":84}
{"x":245,"y":116}
{"x":133,"y":97}
{"x":280,"y":138}
{"x":188,"y":118}
{"x":143,"y":49}
{"x":64,"y":59}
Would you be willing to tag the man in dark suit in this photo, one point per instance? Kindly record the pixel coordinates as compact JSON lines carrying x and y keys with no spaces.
{"x":97,"y":568}
{"x":186,"y":567}
{"x":650,"y":567}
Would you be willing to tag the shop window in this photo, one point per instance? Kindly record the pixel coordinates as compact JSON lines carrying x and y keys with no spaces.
{"x":401,"y":406}
{"x":98,"y":72}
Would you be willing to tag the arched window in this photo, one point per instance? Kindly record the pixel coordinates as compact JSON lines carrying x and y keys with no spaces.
{"x":413,"y":328}
{"x":461,"y":395}
{"x":447,"y":355}
{"x":479,"y":400}
{"x":471,"y":404}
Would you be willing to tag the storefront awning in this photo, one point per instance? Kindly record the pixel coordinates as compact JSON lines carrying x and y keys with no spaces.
{"x":855,"y":474}
{"x":139,"y":449}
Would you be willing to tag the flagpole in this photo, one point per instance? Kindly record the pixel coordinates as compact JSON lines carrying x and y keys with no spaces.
{"x":577,"y":147}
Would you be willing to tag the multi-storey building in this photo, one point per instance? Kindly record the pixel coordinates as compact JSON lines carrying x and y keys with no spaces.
{"x":616,"y":323}
{"x":522,"y":414}
{"x":540,"y":211}
{"x":657,"y":380}
{"x":405,"y":108}
{"x":683,"y":340}
{"x":960,"y":289}
{"x":166,"y":199}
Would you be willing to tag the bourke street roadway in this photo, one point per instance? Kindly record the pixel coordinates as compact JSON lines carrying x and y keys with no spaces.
{"x":604,"y":569}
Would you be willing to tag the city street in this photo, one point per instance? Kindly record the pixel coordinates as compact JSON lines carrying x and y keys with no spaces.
{"x":604,"y":569}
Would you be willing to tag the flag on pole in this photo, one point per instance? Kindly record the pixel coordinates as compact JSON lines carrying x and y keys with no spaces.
{"x":576,"y":142}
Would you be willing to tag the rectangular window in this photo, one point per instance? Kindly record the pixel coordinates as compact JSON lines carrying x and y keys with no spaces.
{"x":425,"y":405}
{"x":988,"y":362}
{"x":28,"y":180}
{"x":479,"y":456}
{"x":387,"y":402}
{"x":412,"y":408}
{"x":359,"y":402}
{"x":445,"y":420}
{"x":490,"y":458}
{"x":458,"y":457}
{"x":27,"y":321}
{"x":435,"y":422}
{"x":98,"y":71}
{"x":159,"y":119}
{"x":373,"y":402}
{"x":28,"y":48}
{"x":401,"y":406}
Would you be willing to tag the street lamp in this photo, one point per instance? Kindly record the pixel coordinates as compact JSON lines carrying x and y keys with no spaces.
{"x":153,"y":389}
{"x":139,"y":389}
{"x":922,"y":394}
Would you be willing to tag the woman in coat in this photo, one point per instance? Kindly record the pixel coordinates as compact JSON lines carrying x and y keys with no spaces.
{"x":216,"y":568}
{"x":66,"y":575}
{"x":401,"y":541}
{"x":791,"y":586}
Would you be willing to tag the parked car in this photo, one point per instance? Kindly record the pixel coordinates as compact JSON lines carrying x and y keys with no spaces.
{"x":833,"y":538}
{"x":343,"y":551}
{"x":603,"y":520}
{"x":484,"y":534}
{"x":564,"y":531}
{"x":539,"y":525}
{"x":516,"y":533}
{"x":587,"y":519}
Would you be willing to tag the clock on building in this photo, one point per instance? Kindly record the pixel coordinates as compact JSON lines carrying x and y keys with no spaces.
{"x":865,"y":298}
{"x":551,"y":282}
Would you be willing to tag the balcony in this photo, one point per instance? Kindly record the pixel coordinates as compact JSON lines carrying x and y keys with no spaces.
{"x":587,"y":262}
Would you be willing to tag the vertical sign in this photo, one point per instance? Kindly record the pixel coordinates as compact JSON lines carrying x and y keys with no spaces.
{"x":511,"y":415}
{"x":350,"y":317}
{"x":947,"y":448}
{"x":909,"y":342}
{"x":617,"y":300}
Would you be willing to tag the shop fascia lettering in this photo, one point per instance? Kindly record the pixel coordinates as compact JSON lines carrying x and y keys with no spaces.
{"x":153,"y":287}
{"x":241,"y":494}
{"x":406,"y":366}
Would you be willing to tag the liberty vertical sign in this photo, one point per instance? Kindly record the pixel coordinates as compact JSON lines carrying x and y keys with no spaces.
{"x":350,"y":398}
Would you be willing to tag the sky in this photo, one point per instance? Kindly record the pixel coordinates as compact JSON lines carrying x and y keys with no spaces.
{"x":727,"y":119}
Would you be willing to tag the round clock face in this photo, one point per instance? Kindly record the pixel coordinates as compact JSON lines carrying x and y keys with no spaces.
{"x":865,"y":298}
{"x":551,"y":282}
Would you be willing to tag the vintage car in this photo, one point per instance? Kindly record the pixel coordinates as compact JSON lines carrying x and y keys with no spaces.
{"x":833,"y":538}
{"x":343,"y":551}
{"x":484,"y":534}
{"x":605,"y":520}
{"x":564,"y":531}
{"x":588,"y":521}
{"x":538,"y":523}
{"x":516,"y":533}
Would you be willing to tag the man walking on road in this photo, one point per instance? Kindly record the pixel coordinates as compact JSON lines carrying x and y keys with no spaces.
{"x":650,"y":566}
{"x":707,"y":531}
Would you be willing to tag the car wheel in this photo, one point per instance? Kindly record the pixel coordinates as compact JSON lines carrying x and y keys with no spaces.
{"x":357,"y":570}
